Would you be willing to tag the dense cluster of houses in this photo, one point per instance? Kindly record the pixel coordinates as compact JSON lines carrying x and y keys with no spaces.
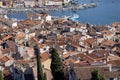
{"x":30,"y":3}
{"x":82,"y":47}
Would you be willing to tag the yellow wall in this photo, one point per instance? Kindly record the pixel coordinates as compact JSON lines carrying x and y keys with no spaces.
{"x":1,"y":3}
{"x":45,"y":2}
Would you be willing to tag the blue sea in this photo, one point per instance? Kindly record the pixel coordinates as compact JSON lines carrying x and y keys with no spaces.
{"x":106,"y":12}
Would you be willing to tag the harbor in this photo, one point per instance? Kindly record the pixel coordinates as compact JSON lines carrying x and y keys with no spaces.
{"x":100,"y":13}
{"x":56,"y":41}
{"x":48,"y":8}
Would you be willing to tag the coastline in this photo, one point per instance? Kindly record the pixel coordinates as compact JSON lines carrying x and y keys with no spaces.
{"x":103,"y":14}
{"x":49,"y":8}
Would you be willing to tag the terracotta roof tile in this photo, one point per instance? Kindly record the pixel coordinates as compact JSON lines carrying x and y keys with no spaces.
{"x":41,"y":45}
{"x":67,"y":62}
{"x":109,"y":33}
{"x":70,"y":53}
{"x":89,"y":40}
{"x":20,"y":35}
{"x":115,"y":63}
{"x":44,"y":56}
{"x":60,"y":43}
{"x":102,"y":51}
{"x":4,"y":59}
{"x":22,"y":61}
{"x":81,"y":64}
{"x":30,"y":23}
{"x":93,"y":55}
{"x":8,"y":50}
{"x":84,"y":73}
{"x":6,"y":72}
{"x":30,"y":52}
{"x":116,"y":24}
{"x":6,"y":37}
{"x":108,"y":42}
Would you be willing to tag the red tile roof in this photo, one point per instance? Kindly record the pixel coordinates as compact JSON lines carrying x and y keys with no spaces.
{"x":81,"y":64}
{"x":20,"y":35}
{"x":22,"y":61}
{"x":30,"y":52}
{"x":4,"y":59}
{"x":89,"y":41}
{"x":6,"y":37}
{"x":115,"y":24}
{"x":44,"y":56}
{"x":108,"y":42}
{"x":84,"y":73}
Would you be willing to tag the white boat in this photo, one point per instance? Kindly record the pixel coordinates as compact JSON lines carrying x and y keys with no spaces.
{"x":75,"y":17}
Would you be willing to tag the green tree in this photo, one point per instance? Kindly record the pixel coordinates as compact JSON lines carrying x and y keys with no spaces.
{"x":40,"y":74}
{"x":1,"y":77}
{"x":96,"y":75}
{"x":56,"y":65}
{"x":45,"y":77}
